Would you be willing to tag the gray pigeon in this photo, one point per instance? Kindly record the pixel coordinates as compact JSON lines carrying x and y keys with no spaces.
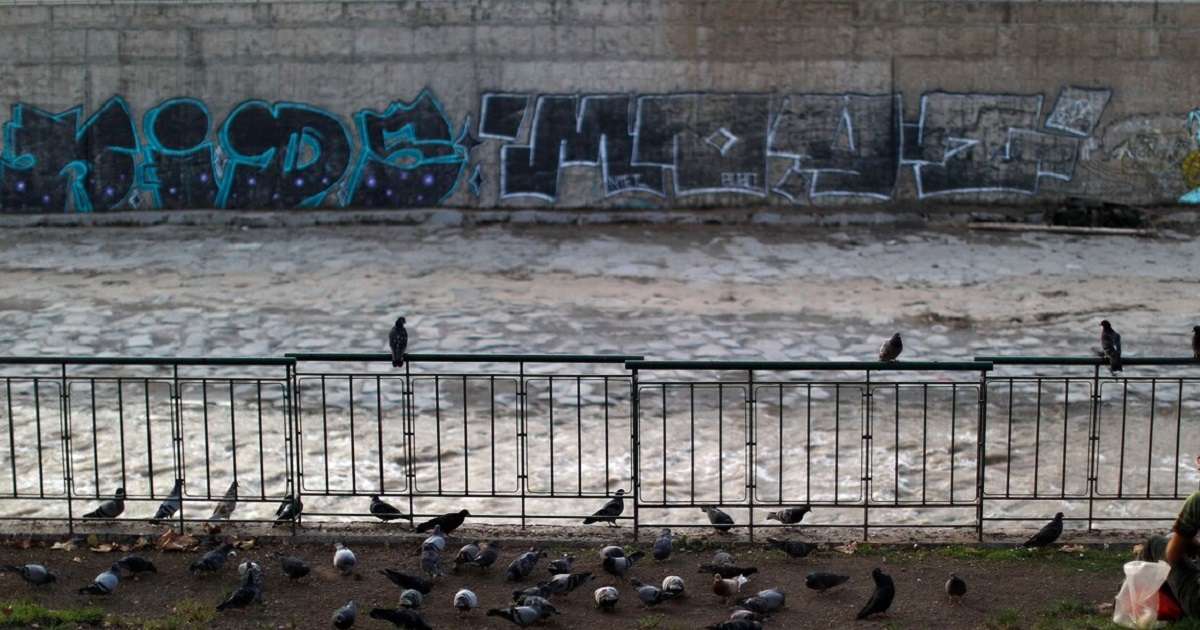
{"x":561,"y":565}
{"x":722,"y":557}
{"x":736,"y":624}
{"x":406,"y":581}
{"x":105,"y":583}
{"x":649,"y":594}
{"x":171,"y":504}
{"x":523,"y":564}
{"x":227,"y":504}
{"x":789,"y":516}
{"x":673,"y":584}
{"x":289,"y":510}
{"x":822,"y":581}
{"x":385,"y":511}
{"x":1196,"y":342}
{"x":956,"y":587}
{"x":891,"y":349}
{"x":606,"y":597}
{"x":793,"y":548}
{"x":612,"y":551}
{"x":344,"y":617}
{"x":344,"y":559}
{"x":1048,"y":533}
{"x":564,"y":583}
{"x":662,"y":546}
{"x":436,"y":540}
{"x":250,"y":590}
{"x":1110,"y":343}
{"x":881,"y":599}
{"x":487,"y":555}
{"x":610,"y":511}
{"x":136,"y":564}
{"x":617,"y":567}
{"x":111,"y":508}
{"x":212,"y":560}
{"x":773,"y":598}
{"x":721,"y":521}
{"x":410,"y":619}
{"x":35,"y":574}
{"x":293,"y":567}
{"x":465,"y":601}
{"x":431,"y":562}
{"x":398,"y":343}
{"x":411,"y":599}
{"x":466,"y":555}
{"x":522,"y":616}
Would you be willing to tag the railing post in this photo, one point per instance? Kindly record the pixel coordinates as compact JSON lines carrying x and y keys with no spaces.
{"x":1093,"y":444}
{"x":980,"y":454}
{"x":64,"y":417}
{"x":635,"y":444}
{"x":751,"y":442}
{"x":867,"y":424}
{"x":523,"y":440}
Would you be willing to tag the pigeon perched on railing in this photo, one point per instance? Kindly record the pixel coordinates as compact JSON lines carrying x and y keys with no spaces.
{"x":385,"y":511}
{"x":410,"y":619}
{"x":610,"y":511}
{"x":111,"y":508}
{"x":721,"y":521}
{"x":956,"y":587}
{"x":789,"y":516}
{"x":212,"y":560}
{"x":881,"y":598}
{"x":344,"y":559}
{"x":448,"y":522}
{"x":289,"y":510}
{"x":1048,"y":533}
{"x":227,"y":504}
{"x":662,"y":546}
{"x":398,"y":342}
{"x":343,"y":617}
{"x":105,"y":583}
{"x":822,"y":581}
{"x":1110,"y":345}
{"x":171,"y":504}
{"x":891,"y":349}
{"x":35,"y":574}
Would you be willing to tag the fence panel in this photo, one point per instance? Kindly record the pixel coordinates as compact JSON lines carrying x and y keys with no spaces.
{"x":32,"y":462}
{"x":578,"y":435}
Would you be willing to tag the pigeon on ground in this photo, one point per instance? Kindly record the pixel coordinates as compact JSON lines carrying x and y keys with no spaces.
{"x":227,"y":504}
{"x":891,"y":348}
{"x":344,"y":617}
{"x":522,"y":616}
{"x":564,"y":583}
{"x":881,"y":599}
{"x":35,"y":574}
{"x":1048,"y":533}
{"x":411,"y":599}
{"x":404,"y":580}
{"x":722,"y":557}
{"x":649,"y":594}
{"x":523,"y":564}
{"x":956,"y":587}
{"x":539,"y":590}
{"x":465,"y":600}
{"x":466,"y":555}
{"x":610,"y":511}
{"x":294,"y":567}
{"x":250,"y":590}
{"x":1110,"y":343}
{"x":721,"y":521}
{"x":344,"y":559}
{"x":212,"y":560}
{"x":736,"y":624}
{"x":726,"y":588}
{"x":289,"y":510}
{"x":171,"y":504}
{"x":398,"y":342}
{"x":385,"y":511}
{"x":487,"y":555}
{"x":111,"y":508}
{"x":773,"y":597}
{"x":822,"y":581}
{"x":606,"y":597}
{"x":105,"y":583}
{"x":727,"y":570}
{"x":1196,"y":342}
{"x":793,"y":548}
{"x":135,"y":565}
{"x":789,"y":516}
{"x":612,"y":551}
{"x":617,"y":567}
{"x":755,"y":604}
{"x":561,"y":565}
{"x":448,"y":522}
{"x":250,"y":566}
{"x":673,"y":584}
{"x":409,"y":619}
{"x":431,"y":563}
{"x":435,"y":541}
{"x":662,"y":546}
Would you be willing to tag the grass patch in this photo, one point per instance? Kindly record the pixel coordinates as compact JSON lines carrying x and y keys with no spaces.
{"x":26,"y":614}
{"x":1091,"y":560}
{"x":649,"y":621}
{"x":1004,"y":620}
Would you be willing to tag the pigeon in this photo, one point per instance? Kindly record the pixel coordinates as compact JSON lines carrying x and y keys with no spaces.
{"x":789,"y":516}
{"x":411,"y":599}
{"x":822,"y":581}
{"x":410,"y":619}
{"x":465,"y":601}
{"x":722,"y":557}
{"x":111,"y":508}
{"x":522,"y":616}
{"x":250,"y":566}
{"x":754,"y":604}
{"x":1110,"y":343}
{"x":385,"y":511}
{"x":249,"y":591}
{"x":487,"y":555}
{"x":448,"y":522}
{"x":289,"y":510}
{"x":294,"y":567}
{"x":171,"y":504}
{"x":398,"y":342}
{"x":404,"y":580}
{"x":135,"y":564}
{"x":227,"y":505}
{"x":662,"y":546}
{"x":721,"y":521}
{"x":727,"y":570}
{"x":1196,"y":342}
{"x":891,"y":348}
{"x":564,"y":583}
{"x":737,"y":624}
{"x":610,"y":511}
{"x":105,"y":583}
{"x":649,"y":594}
{"x":773,"y":597}
{"x":35,"y":574}
{"x":726,"y":588}
{"x":344,"y":617}
{"x":431,"y":563}
{"x":523,"y":564}
{"x":561,"y":565}
{"x":467,"y":554}
{"x":520,"y":595}
{"x":606,"y":597}
{"x":1048,"y":533}
{"x":612,"y":551}
{"x":436,"y":540}
{"x":881,"y":599}
{"x":956,"y":587}
{"x":617,"y":567}
{"x":795,"y":549}
{"x":212,"y":560}
{"x":344,"y":559}
{"x":673,"y":584}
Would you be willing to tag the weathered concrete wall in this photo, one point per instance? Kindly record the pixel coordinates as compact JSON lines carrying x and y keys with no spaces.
{"x":597,"y":103}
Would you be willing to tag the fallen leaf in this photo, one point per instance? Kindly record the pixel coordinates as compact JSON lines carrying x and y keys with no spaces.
{"x":18,"y":544}
{"x":171,"y":541}
{"x":1071,"y":548}
{"x":93,"y":540}
{"x":848,"y":548}
{"x":65,"y":545}
{"x":212,"y":528}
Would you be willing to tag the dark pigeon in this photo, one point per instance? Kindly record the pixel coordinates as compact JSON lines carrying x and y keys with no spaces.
{"x":617,"y":567}
{"x":404,"y":580}
{"x":727,"y":571}
{"x":662,"y":546}
{"x":1048,"y":533}
{"x":793,"y":548}
{"x":523,"y":564}
{"x":881,"y":599}
{"x":289,"y":510}
{"x":171,"y":504}
{"x":564,"y":583}
{"x":111,"y":508}
{"x":448,"y":522}
{"x":466,"y":555}
{"x":891,"y":349}
{"x":35,"y":574}
{"x":789,"y":516}
{"x":410,"y":619}
{"x":249,"y":592}
{"x":956,"y":587}
{"x":736,"y":624}
{"x":212,"y":560}
{"x":561,"y":565}
{"x":343,"y":617}
{"x":293,"y":567}
{"x":487,"y":555}
{"x":721,"y":521}
{"x":1110,"y":344}
{"x":385,"y":511}
{"x":610,"y":511}
{"x":135,"y":564}
{"x":823,"y":581}
{"x":398,"y":343}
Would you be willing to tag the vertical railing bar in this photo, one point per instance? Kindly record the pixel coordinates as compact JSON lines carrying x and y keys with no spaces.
{"x":1037,"y":405}
{"x":64,"y":420}
{"x":953,"y":441}
{"x":550,"y":433}
{"x":12,"y":436}
{"x":635,"y":445}
{"x":896,"y":443}
{"x":579,"y":434}
{"x":866,"y":424}
{"x":37,"y":416}
{"x":1178,"y":435}
{"x":925,"y":445}
{"x":380,"y":482}
{"x":325,"y":429}
{"x":95,"y":432}
{"x":354,"y":436}
{"x":981,"y":453}
{"x":808,"y":429}
{"x":1150,"y":439}
{"x":466,"y":453}
{"x":751,"y":450}
{"x":204,"y":419}
{"x":780,"y":447}
{"x":523,"y":445}
{"x":1062,"y":482}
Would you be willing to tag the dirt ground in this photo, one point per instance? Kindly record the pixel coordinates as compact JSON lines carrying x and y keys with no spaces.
{"x":1032,"y":583}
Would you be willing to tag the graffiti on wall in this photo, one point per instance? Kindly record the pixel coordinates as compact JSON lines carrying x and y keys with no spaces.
{"x":797,"y":147}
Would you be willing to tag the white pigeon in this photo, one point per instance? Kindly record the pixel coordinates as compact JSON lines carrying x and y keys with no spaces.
{"x":344,"y":559}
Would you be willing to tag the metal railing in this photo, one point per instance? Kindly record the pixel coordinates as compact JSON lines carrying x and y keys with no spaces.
{"x":547,"y":438}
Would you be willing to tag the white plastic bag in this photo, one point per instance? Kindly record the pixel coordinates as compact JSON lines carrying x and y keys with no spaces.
{"x":1137,"y":602}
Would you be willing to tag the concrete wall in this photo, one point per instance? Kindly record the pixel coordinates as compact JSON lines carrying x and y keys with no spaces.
{"x":597,"y":103}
